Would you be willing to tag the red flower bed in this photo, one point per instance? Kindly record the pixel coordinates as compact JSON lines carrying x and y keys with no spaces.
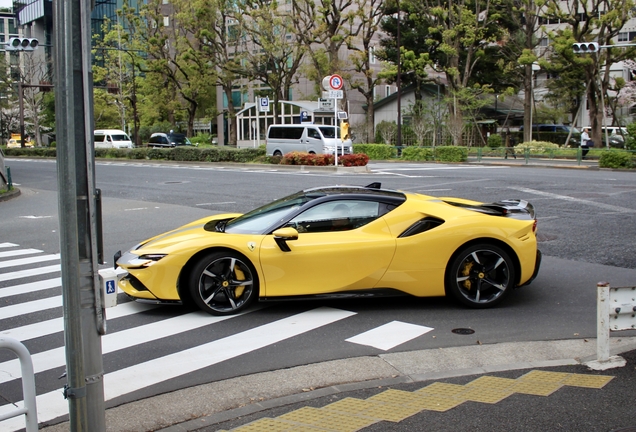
{"x":301,"y":158}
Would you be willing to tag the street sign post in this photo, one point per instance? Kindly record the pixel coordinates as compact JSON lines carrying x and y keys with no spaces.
{"x":335,"y":92}
{"x":264,"y":104}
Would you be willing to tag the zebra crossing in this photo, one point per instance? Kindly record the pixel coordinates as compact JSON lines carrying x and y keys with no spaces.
{"x":30,"y":311}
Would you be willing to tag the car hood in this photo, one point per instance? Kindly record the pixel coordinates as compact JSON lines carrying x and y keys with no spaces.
{"x":191,"y":231}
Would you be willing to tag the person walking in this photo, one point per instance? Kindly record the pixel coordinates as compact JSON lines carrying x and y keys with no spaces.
{"x":509,"y":143}
{"x":586,"y":143}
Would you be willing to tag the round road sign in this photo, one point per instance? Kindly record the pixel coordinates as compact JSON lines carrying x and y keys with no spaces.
{"x":336,"y":82}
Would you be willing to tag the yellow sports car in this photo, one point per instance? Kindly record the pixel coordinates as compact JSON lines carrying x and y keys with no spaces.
{"x":340,"y":241}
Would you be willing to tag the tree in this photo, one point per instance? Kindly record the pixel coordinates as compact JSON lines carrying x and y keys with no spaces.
{"x":362,"y":55}
{"x":601,"y":21}
{"x":462,"y":40}
{"x":271,"y":48}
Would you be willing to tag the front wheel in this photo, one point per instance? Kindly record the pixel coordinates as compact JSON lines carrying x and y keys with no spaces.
{"x":480,"y":276}
{"x":223,"y":283}
{"x":277,"y":153}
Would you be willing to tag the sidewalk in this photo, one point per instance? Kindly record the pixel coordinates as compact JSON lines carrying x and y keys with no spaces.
{"x":232,"y":403}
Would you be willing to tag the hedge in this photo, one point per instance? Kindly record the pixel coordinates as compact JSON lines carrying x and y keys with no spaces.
{"x":186,"y":153}
{"x":615,"y":159}
{"x":413,"y":153}
{"x":376,"y":151}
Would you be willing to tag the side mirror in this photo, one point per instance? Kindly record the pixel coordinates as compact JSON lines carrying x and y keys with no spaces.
{"x":283,"y":235}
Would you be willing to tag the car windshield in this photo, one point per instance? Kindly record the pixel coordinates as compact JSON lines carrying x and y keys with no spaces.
{"x":260,"y":219}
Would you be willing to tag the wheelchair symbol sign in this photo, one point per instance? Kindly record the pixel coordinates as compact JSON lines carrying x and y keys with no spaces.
{"x":110,"y":287}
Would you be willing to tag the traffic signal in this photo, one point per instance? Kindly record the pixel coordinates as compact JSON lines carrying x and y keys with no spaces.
{"x":344,"y":131}
{"x":585,"y":47}
{"x":22,"y":44}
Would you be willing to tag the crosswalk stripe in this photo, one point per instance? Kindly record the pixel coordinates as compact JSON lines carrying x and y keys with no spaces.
{"x":390,"y":335}
{"x":5,"y":245}
{"x":112,"y":342}
{"x":55,"y":325}
{"x":32,"y":272}
{"x":30,"y":307}
{"x":51,"y":405}
{"x":19,"y":252}
{"x":32,"y":260}
{"x":30,"y":287}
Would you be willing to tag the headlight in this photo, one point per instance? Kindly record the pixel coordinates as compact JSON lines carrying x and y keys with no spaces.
{"x":130,"y":260}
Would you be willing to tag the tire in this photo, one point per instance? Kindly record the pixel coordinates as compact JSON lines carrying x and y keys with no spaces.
{"x":480,"y":276}
{"x":277,"y":153}
{"x":223,"y":283}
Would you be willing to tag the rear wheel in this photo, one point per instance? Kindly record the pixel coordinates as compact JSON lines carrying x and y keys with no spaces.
{"x":223,"y":283}
{"x":480,"y":276}
{"x":277,"y":153}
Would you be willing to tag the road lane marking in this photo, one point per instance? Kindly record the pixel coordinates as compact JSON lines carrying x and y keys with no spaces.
{"x":389,"y":335}
{"x":111,"y":342}
{"x":52,"y":405}
{"x":4,"y":245}
{"x":30,"y":287}
{"x":30,"y":307}
{"x":55,"y":325}
{"x":32,"y":260}
{"x":19,"y":252}
{"x":576,"y":200}
{"x":32,"y":272}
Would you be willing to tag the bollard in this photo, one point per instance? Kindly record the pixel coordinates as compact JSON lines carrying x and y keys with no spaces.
{"x":602,"y":321}
{"x":9,"y":181}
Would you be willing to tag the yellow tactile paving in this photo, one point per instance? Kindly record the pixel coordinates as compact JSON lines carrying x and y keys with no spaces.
{"x":537,"y":388}
{"x":328,"y":419}
{"x":484,"y":394}
{"x":274,"y":425}
{"x":588,"y":381}
{"x":441,"y":389}
{"x":544,"y":376}
{"x":351,"y":414}
{"x":492,"y":382}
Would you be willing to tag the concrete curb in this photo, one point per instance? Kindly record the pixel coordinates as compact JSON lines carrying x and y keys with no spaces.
{"x":5,"y":196}
{"x":204,"y":405}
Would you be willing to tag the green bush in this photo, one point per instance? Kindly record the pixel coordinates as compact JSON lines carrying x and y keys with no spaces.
{"x":412,"y":153}
{"x":376,"y":151}
{"x":495,"y":140}
{"x":204,"y":138}
{"x":630,"y":139}
{"x":537,"y":147}
{"x":451,"y":154}
{"x":615,"y":159}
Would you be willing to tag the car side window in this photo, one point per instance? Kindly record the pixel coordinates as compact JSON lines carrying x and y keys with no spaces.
{"x":342,"y":215}
{"x":155,"y":139}
{"x":313,"y":133}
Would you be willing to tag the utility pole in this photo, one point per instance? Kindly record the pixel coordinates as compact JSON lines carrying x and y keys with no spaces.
{"x":84,"y":320}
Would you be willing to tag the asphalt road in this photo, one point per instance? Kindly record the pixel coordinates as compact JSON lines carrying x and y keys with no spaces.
{"x":586,"y":227}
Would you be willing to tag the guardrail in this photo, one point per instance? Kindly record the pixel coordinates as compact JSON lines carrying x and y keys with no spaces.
{"x":28,"y":384}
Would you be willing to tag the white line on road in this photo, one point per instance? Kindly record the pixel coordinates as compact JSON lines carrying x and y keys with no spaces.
{"x":30,"y":307}
{"x":51,"y":405}
{"x":30,"y":287}
{"x":4,"y":245}
{"x":112,"y":342}
{"x":32,"y":272}
{"x":390,"y":335}
{"x":33,"y":260}
{"x":56,"y":325}
{"x":572,"y":199}
{"x":19,"y":252}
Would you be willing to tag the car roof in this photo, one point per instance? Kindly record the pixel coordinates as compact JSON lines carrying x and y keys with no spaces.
{"x":370,"y":191}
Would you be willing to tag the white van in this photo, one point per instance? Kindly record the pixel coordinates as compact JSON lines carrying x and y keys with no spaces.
{"x":109,"y":138}
{"x":308,"y":138}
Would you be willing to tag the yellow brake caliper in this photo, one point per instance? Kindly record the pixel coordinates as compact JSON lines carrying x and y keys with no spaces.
{"x":465,"y":272}
{"x":238,"y":292}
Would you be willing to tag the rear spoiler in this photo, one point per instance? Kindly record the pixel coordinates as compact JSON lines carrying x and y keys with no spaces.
{"x":514,"y":208}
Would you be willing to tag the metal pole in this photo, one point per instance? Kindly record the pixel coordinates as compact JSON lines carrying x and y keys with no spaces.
{"x":83,"y":316}
{"x":21,"y":108}
{"x":398,"y":81}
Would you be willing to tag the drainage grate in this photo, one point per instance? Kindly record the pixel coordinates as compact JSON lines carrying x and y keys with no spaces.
{"x":463,"y":331}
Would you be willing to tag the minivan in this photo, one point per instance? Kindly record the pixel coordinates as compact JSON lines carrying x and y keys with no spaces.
{"x":109,"y":138}
{"x":168,"y":140}
{"x":308,"y":138}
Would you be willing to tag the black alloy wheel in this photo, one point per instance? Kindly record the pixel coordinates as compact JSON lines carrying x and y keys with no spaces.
{"x":223,"y":283}
{"x":480,"y":276}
